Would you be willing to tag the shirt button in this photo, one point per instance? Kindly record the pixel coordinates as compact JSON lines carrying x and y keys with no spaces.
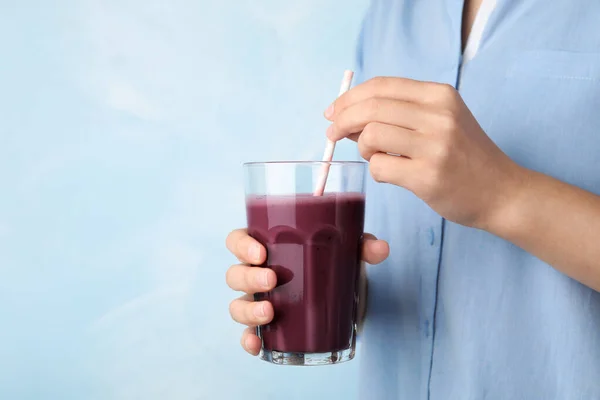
{"x":431,"y":237}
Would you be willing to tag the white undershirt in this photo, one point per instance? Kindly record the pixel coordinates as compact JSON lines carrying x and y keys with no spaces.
{"x":483,"y":15}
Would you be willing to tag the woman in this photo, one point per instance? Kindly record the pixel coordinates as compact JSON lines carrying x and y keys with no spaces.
{"x":492,"y":215}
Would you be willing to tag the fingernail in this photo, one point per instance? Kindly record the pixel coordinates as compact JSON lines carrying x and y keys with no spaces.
{"x":263,"y":279}
{"x":247,"y":343}
{"x":254,"y":253}
{"x":329,"y":131}
{"x":259,"y":310}
{"x":329,"y":111}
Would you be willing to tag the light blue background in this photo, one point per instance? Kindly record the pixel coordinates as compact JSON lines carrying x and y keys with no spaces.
{"x":122,"y":128}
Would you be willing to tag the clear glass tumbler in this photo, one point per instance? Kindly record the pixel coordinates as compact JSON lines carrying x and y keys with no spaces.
{"x":313,"y":244}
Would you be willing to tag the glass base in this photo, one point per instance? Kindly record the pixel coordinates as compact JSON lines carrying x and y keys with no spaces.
{"x":308,"y":359}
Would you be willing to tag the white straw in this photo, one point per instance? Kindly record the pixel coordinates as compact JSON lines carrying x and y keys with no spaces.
{"x":330,"y":146}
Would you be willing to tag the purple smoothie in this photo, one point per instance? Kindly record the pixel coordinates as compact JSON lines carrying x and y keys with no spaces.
{"x":313,"y":245}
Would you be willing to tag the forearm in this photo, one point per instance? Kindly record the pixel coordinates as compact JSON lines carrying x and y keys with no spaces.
{"x":557,"y":222}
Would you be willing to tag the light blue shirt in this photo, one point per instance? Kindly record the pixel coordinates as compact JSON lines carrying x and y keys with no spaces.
{"x":457,"y":313}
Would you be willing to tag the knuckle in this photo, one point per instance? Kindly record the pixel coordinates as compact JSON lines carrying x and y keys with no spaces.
{"x":362,"y":148}
{"x":376,"y":170}
{"x":377,"y":83}
{"x":249,"y":314}
{"x":447,"y":92}
{"x":448,"y":123}
{"x":370,"y":135}
{"x":372,"y":106}
{"x":250,"y":280}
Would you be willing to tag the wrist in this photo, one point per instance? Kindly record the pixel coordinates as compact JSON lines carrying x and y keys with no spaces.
{"x":508,"y":209}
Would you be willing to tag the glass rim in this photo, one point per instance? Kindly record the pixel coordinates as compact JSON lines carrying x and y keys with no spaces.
{"x":259,"y":163}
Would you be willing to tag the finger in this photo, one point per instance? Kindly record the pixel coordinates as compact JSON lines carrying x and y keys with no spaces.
{"x":245,"y":248}
{"x":354,"y":136}
{"x":250,"y":341}
{"x":251,"y":313}
{"x":369,"y":236}
{"x":392,"y":169}
{"x":354,"y":118}
{"x":374,"y":251}
{"x":404,"y":89}
{"x":383,"y":138}
{"x":250,"y":279}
